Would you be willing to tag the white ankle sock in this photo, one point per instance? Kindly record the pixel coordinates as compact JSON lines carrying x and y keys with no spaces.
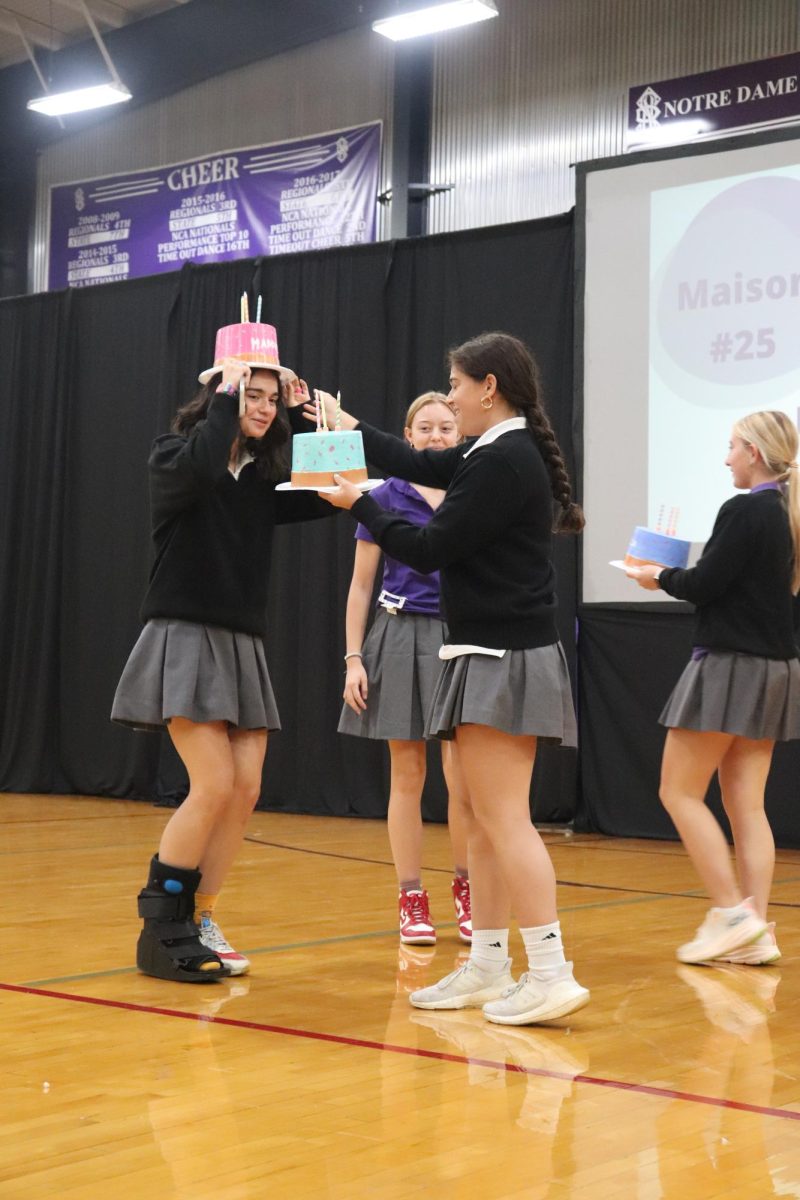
{"x":544,"y":948}
{"x":489,"y":949}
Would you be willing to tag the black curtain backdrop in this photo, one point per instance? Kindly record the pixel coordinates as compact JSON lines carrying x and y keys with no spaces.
{"x":92,"y":376}
{"x":629,"y":663}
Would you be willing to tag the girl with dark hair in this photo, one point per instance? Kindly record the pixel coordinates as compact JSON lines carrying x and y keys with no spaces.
{"x":504,"y":684}
{"x":391,"y":674}
{"x":198,"y":667}
{"x":740,"y":693}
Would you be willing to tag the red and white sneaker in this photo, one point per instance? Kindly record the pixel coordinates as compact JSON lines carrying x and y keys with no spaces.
{"x":213,"y":939}
{"x":416,"y":927}
{"x":461,"y":899}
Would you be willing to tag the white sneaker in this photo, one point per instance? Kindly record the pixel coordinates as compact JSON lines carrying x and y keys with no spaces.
{"x":721,"y":933}
{"x":213,"y":939}
{"x":533,"y":1000}
{"x":466,"y":987}
{"x":759,"y":953}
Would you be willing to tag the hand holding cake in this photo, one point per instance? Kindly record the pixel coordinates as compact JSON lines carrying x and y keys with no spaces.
{"x":646,"y":576}
{"x":345,"y":495}
{"x":650,"y":550}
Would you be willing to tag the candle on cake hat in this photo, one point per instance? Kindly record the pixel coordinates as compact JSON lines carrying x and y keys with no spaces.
{"x":254,"y":343}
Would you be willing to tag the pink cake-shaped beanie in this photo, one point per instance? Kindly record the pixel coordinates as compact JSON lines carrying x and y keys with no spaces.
{"x":253,"y":343}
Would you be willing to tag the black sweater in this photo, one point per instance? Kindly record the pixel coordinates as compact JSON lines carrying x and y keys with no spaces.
{"x":742,"y":583}
{"x":490,"y":538}
{"x":213,"y":533}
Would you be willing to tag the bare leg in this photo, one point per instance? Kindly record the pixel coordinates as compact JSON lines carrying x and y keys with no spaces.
{"x":488,"y":892}
{"x":205,"y":751}
{"x":491,"y":907}
{"x":248,"y":749}
{"x":743,"y":777}
{"x":690,"y":760}
{"x":405,"y":815}
{"x":497,"y":768}
{"x":457,"y":804}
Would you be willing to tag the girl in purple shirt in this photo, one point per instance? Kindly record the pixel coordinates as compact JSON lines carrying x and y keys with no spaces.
{"x":391,"y":675}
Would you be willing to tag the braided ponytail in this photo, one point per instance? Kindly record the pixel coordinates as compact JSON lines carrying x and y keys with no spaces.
{"x":570,"y":518}
{"x":517,"y":375}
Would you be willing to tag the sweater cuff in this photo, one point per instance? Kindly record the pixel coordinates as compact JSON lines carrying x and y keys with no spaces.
{"x":297,"y":422}
{"x":222,"y":402}
{"x":664,"y":577}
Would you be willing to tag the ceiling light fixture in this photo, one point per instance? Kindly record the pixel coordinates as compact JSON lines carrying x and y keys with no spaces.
{"x":57,"y":104}
{"x":80,"y":100}
{"x":434,"y":18}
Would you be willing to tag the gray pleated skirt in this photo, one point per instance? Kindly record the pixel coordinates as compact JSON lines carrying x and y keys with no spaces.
{"x":524,"y":692}
{"x":201,"y":672}
{"x":741,"y":694}
{"x":401,"y":658}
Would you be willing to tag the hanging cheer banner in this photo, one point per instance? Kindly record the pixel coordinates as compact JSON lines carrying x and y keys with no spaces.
{"x":303,"y":195}
{"x":729,"y":100}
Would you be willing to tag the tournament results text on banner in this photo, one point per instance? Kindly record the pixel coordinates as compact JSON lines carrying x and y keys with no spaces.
{"x":307,"y":194}
{"x":764,"y":93}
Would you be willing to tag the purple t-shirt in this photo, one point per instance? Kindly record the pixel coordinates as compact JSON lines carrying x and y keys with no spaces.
{"x":421,"y":591}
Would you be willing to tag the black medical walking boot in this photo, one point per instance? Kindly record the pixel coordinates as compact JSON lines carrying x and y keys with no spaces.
{"x":169,"y":946}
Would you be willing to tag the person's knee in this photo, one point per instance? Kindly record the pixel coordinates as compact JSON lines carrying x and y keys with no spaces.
{"x":213,"y":793}
{"x":668,"y":796}
{"x":493,"y":823}
{"x":408,"y":770}
{"x":246,"y":794}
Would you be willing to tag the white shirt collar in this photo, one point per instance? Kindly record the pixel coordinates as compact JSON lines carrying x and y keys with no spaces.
{"x":245,"y":458}
{"x":497,"y":431}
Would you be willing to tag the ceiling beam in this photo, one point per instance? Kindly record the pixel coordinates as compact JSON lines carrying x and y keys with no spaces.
{"x":110,"y":14}
{"x":36,"y":31}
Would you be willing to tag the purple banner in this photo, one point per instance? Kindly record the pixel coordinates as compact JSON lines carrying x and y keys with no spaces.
{"x":302,"y":195}
{"x":729,"y":100}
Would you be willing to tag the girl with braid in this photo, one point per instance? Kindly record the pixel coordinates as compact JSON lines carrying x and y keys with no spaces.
{"x":504,"y":684}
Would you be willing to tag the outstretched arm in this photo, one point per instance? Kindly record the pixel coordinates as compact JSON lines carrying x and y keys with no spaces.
{"x":725,"y":558}
{"x":477,"y":508}
{"x":393,"y":455}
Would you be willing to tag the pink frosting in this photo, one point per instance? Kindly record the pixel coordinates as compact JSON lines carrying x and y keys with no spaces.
{"x":249,"y":342}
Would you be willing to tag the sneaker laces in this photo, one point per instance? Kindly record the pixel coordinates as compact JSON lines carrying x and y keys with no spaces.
{"x":454,"y":974}
{"x":516,"y":987}
{"x":416,"y":906}
{"x":464,"y":897}
{"x":212,"y":937}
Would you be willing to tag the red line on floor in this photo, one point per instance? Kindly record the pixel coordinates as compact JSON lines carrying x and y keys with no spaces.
{"x":787,"y":1114}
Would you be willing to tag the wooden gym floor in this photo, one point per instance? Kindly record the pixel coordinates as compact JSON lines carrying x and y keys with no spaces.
{"x":313,"y":1077}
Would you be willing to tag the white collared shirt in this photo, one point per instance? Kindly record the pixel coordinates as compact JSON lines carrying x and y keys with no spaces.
{"x":496,"y":431}
{"x":244,"y":459}
{"x":491,"y":435}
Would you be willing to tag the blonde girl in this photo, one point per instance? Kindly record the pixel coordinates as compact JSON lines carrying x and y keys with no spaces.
{"x":740,"y":693}
{"x":391,"y":675}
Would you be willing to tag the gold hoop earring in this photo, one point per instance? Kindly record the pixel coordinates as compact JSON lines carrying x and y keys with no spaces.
{"x":486,"y":406}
